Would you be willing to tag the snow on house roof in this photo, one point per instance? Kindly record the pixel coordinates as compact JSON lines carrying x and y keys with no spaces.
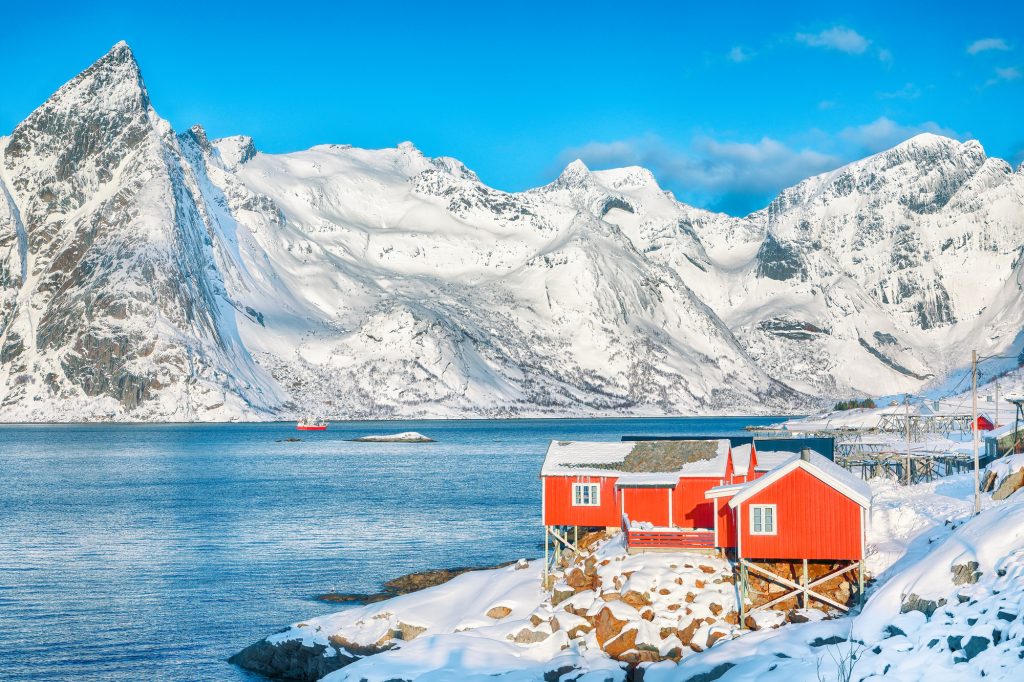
{"x":727,"y":490}
{"x":770,"y":459}
{"x":741,"y":457}
{"x":1004,"y":430}
{"x":638,"y":462}
{"x":818,"y":466}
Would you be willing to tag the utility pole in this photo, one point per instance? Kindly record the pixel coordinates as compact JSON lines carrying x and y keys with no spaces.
{"x":906,"y":419}
{"x":995,"y":424}
{"x":974,"y":430}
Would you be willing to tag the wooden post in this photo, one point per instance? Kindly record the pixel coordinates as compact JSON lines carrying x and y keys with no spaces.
{"x":741,"y":591}
{"x":906,"y":409}
{"x":860,"y":583}
{"x":547,"y":558}
{"x":974,"y":429}
{"x":803,"y":582}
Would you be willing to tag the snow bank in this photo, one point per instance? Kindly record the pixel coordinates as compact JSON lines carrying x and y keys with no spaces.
{"x":404,"y":437}
{"x":1004,"y":476}
{"x":606,"y":609}
{"x":976,"y":548}
{"x":951,"y":609}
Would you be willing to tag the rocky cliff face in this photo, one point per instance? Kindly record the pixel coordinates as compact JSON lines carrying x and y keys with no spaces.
{"x":146,"y":274}
{"x":113,"y":296}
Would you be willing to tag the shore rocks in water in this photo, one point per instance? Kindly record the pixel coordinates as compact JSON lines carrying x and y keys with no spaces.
{"x":291,"y":660}
{"x":406,"y":437}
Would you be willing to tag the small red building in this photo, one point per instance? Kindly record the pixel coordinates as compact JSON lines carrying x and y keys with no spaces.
{"x":654,"y":490}
{"x":984,"y":423}
{"x":760,"y":507}
{"x":806,"y":509}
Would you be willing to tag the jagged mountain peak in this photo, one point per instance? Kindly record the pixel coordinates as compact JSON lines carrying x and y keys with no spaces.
{"x":627,"y":178}
{"x":113,"y":79}
{"x":98,"y":105}
{"x":234,"y":150}
{"x":198,"y":134}
{"x":576,"y":174}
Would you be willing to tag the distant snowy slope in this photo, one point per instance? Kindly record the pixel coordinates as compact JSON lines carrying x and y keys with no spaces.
{"x":147,"y":275}
{"x":452,"y":298}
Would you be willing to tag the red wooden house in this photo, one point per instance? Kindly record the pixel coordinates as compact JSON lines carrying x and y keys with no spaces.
{"x":805,"y":509}
{"x":758,"y":506}
{"x":654,"y":490}
{"x":984,"y":423}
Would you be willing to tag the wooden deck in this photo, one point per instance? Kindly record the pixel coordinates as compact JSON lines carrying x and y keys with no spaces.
{"x":671,"y":538}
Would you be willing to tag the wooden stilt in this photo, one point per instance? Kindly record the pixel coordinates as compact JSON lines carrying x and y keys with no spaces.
{"x":860,"y":583}
{"x":563,"y":539}
{"x":741,"y":593}
{"x":797,"y":589}
{"x":803,"y":581}
{"x":547,"y":561}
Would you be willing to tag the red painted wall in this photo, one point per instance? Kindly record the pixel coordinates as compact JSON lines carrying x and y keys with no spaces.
{"x":558,"y":508}
{"x":814,"y":521}
{"x":689,"y":507}
{"x":984,"y":423}
{"x":646,"y":504}
{"x":726,"y":528}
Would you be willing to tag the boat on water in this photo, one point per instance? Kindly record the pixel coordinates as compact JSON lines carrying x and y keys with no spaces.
{"x":308,"y":424}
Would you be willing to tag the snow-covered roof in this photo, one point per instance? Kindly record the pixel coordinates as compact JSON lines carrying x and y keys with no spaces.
{"x":818,"y":466}
{"x":741,"y":457}
{"x":769,"y":459}
{"x":723,"y":490}
{"x":1004,"y":430}
{"x":638,"y":462}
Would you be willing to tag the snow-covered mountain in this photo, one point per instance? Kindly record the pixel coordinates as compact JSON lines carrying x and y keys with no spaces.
{"x":146,"y":274}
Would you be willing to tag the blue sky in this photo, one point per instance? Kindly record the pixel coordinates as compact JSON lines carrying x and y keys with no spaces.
{"x":726,"y":102}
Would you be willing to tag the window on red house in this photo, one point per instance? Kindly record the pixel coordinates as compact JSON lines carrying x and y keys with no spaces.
{"x":762,"y":519}
{"x":586,"y":495}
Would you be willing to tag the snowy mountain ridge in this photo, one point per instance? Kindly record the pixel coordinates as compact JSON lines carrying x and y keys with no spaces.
{"x":153,"y":275}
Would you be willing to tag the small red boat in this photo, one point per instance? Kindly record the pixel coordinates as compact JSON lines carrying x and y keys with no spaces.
{"x":306,"y":424}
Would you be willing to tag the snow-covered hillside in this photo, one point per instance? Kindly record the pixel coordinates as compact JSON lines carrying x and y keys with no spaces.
{"x":146,"y":274}
{"x":947,"y":603}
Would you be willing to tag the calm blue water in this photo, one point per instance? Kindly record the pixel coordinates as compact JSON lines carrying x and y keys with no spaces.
{"x":155,"y":552}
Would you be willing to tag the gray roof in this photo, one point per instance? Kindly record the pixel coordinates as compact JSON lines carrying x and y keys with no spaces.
{"x":677,"y":457}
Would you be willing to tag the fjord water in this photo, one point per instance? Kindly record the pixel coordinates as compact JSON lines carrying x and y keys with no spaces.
{"x":132,"y":552}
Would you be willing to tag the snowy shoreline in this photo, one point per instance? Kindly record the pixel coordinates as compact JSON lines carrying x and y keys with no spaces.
{"x":947,"y":595}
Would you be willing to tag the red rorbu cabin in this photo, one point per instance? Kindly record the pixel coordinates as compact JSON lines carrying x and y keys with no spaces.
{"x":805,"y":509}
{"x":984,"y":423}
{"x":653,"y":490}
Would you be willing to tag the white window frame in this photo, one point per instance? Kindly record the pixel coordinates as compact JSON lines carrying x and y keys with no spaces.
{"x":594,"y":495}
{"x":775,"y":519}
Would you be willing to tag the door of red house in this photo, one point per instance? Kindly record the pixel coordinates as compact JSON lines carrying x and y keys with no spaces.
{"x":647,"y":504}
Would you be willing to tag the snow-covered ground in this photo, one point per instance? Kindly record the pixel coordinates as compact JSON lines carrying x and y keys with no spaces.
{"x":947,"y":603}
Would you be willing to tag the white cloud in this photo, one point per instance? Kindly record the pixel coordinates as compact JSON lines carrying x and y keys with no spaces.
{"x":837,"y":38}
{"x":827,"y":104}
{"x":883,"y":133}
{"x":986,"y":44}
{"x":1004,"y":75}
{"x":731,"y":176}
{"x":740,"y":54}
{"x":908,"y":91}
{"x":740,"y":176}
